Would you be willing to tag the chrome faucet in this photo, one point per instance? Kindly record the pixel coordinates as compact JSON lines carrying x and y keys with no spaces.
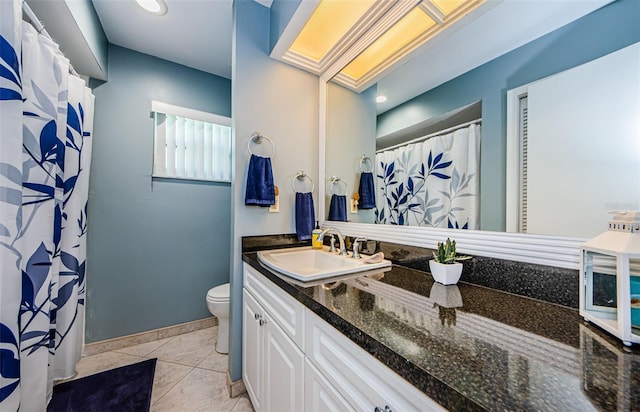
{"x":343,"y":249}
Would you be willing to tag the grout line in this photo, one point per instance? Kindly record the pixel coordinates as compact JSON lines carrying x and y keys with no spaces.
{"x":234,"y":404}
{"x":172,"y":386}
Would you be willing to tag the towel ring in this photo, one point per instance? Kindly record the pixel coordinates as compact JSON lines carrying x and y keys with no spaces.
{"x":257,"y":139}
{"x":335,"y":181}
{"x":363,"y":160}
{"x":301,"y":175}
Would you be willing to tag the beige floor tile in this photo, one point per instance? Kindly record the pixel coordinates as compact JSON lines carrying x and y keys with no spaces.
{"x":143,"y":349}
{"x":188,"y":349}
{"x":104,"y":361}
{"x":167,"y":375}
{"x":201,"y":390}
{"x":215,"y":361}
{"x":243,"y":404}
{"x":190,"y":375}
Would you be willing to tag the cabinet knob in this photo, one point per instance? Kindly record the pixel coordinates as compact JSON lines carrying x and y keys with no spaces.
{"x":257,"y":316}
{"x":262,"y":322}
{"x":387,"y":408}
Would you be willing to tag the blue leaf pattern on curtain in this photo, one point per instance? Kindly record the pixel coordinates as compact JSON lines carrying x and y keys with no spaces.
{"x":47,"y":117}
{"x":432,"y":183}
{"x":10,"y":203}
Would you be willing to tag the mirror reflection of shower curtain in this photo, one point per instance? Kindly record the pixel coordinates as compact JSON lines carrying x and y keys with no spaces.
{"x":47,"y":119}
{"x":433,"y":183}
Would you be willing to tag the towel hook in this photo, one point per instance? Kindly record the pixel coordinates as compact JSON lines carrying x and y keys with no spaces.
{"x":335,"y":181}
{"x":301,"y":175}
{"x":364,"y":159}
{"x":257,"y":138}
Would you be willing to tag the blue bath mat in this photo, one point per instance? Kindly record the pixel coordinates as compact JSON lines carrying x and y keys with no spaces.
{"x":124,"y":389}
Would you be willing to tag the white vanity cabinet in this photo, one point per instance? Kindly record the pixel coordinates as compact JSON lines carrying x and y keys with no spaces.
{"x":365,"y":382}
{"x":273,"y":365}
{"x":295,"y":361}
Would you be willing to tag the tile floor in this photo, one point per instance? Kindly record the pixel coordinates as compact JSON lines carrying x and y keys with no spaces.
{"x":190,"y":374}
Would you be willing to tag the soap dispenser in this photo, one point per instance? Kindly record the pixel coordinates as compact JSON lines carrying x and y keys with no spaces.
{"x":315,"y":243}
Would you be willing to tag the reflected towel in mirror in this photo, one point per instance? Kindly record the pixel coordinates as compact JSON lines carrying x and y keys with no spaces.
{"x":338,"y":208}
{"x":305,"y":215}
{"x":260,"y":188}
{"x":366,"y":191}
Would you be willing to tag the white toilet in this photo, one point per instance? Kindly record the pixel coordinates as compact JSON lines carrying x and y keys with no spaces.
{"x":218,"y":304}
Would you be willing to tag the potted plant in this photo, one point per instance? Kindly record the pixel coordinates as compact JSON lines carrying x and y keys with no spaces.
{"x":445,"y":266}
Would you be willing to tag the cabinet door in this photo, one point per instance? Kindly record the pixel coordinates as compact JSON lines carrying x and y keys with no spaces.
{"x":319,"y":395}
{"x":283,"y":371}
{"x":252,"y":349}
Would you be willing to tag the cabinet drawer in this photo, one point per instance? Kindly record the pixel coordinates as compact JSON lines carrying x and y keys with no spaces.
{"x":288,"y":312}
{"x":361,"y":379}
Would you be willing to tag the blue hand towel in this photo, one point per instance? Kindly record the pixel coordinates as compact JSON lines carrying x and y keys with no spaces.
{"x":338,"y":208}
{"x":366,"y":191}
{"x":305,"y":215}
{"x":260,"y":189}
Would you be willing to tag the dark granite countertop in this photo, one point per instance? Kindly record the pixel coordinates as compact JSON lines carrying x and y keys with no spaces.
{"x":474,"y":348}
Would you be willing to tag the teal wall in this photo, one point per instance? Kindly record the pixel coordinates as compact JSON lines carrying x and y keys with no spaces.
{"x":611,"y":28}
{"x":154,"y":247}
{"x":351,"y":126}
{"x":281,"y":102}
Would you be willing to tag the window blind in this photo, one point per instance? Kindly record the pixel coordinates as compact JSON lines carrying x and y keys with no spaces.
{"x":190,"y":144}
{"x":523,"y":132}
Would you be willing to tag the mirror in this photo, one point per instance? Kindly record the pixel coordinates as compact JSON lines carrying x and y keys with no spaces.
{"x":579,"y":117}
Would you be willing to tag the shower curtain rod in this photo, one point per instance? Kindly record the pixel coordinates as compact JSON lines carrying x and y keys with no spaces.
{"x":429,"y":136}
{"x":40,"y":29}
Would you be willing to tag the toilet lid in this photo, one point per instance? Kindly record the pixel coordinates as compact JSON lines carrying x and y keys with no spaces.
{"x":219,"y":292}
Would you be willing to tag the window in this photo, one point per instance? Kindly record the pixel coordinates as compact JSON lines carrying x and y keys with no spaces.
{"x":190,"y":144}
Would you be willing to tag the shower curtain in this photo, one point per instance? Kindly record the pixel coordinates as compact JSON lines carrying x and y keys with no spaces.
{"x":46,"y":119}
{"x":433,"y":183}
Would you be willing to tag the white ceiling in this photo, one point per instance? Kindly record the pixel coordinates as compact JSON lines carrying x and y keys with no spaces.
{"x":194,"y":33}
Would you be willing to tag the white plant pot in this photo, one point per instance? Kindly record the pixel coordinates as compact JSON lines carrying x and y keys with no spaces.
{"x":446,"y":274}
{"x":446,"y":296}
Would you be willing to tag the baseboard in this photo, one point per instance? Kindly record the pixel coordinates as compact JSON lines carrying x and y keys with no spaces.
{"x":236,"y":388}
{"x":148,"y":336}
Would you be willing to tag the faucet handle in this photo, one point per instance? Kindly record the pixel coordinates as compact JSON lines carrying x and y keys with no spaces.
{"x":356,"y":246}
{"x":332,"y":241}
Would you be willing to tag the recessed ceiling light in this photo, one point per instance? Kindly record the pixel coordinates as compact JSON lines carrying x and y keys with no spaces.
{"x":381,"y":99}
{"x":157,"y":7}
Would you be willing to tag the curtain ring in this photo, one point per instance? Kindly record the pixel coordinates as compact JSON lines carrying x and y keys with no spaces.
{"x":257,"y":138}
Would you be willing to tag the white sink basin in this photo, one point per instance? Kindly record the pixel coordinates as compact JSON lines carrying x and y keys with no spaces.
{"x":305,"y":263}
